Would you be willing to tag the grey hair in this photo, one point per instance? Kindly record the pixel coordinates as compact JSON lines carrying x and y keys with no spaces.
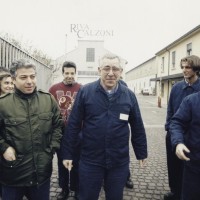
{"x":109,"y":56}
{"x":21,"y":63}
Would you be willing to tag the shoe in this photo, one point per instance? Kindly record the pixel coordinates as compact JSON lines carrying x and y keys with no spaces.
{"x":63,"y":195}
{"x":129,"y":184}
{"x":169,"y":196}
{"x":72,"y":196}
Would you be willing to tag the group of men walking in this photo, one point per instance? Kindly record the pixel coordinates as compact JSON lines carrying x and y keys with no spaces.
{"x":88,"y":128}
{"x":91,"y":129}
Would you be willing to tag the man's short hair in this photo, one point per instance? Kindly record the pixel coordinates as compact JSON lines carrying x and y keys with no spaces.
{"x":21,"y":63}
{"x":193,"y":61}
{"x":68,"y":64}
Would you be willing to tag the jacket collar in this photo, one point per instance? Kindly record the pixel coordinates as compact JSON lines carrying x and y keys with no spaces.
{"x":25,"y":96}
{"x":195,"y":85}
{"x":119,"y":88}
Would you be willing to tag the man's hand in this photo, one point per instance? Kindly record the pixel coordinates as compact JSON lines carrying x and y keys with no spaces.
{"x":142,"y":162}
{"x":68,"y":164}
{"x":9,"y":154}
{"x":180,"y":148}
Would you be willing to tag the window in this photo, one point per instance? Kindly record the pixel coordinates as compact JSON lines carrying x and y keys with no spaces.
{"x":163,"y":64}
{"x":88,"y":73}
{"x":173,"y":59}
{"x":90,"y":54}
{"x":189,"y":49}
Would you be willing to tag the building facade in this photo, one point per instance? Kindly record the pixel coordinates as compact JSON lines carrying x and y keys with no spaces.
{"x":168,"y":61}
{"x":163,"y":70}
{"x":86,"y":56}
{"x":139,"y":77}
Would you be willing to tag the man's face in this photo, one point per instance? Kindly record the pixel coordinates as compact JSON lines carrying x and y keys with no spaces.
{"x":110,"y":73}
{"x":25,"y":80}
{"x":187,"y":70}
{"x":69,"y":75}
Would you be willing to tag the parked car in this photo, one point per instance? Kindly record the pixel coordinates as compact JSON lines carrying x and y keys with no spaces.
{"x":147,"y":91}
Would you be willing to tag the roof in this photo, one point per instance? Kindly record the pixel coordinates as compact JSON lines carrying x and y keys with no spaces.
{"x":173,"y":76}
{"x":179,"y":40}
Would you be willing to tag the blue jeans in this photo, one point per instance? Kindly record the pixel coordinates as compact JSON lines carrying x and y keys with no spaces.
{"x":33,"y":193}
{"x":92,"y":177}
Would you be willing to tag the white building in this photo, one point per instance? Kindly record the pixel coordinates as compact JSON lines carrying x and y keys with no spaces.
{"x":139,"y":77}
{"x":163,"y":70}
{"x":168,"y":61}
{"x":86,"y":56}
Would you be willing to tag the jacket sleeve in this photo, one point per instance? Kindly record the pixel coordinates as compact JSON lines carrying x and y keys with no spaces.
{"x":57,"y":125}
{"x":180,"y":122}
{"x":73,"y":128}
{"x":138,"y":134}
{"x":3,"y":144}
{"x":170,"y":111}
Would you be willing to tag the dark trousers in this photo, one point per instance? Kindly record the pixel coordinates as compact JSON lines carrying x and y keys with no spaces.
{"x":92,"y":177}
{"x":191,"y":181}
{"x":33,"y":193}
{"x":175,"y":169}
{"x":63,"y":173}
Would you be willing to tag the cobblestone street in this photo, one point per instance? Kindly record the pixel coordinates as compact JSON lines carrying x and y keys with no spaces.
{"x":150,"y":182}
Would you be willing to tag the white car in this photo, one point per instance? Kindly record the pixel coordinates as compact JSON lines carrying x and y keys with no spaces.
{"x":147,"y":91}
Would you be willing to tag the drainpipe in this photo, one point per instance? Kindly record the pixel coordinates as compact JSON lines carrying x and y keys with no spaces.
{"x":168,"y":74}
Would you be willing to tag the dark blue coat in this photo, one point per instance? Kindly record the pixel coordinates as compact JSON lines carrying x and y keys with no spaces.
{"x":185,"y":125}
{"x":105,"y":126}
{"x":179,"y":91}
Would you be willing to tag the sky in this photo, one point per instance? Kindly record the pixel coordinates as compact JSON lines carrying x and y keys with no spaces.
{"x":137,"y":28}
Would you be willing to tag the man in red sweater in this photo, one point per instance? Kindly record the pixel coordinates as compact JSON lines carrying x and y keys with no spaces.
{"x":65,"y":93}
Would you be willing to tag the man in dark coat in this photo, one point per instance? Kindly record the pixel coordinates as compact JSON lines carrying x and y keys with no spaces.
{"x":185,"y":132}
{"x":103,"y":111}
{"x":190,"y":66}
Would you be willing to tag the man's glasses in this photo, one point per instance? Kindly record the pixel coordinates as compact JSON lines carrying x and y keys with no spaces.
{"x":186,"y":67}
{"x":114,"y":69}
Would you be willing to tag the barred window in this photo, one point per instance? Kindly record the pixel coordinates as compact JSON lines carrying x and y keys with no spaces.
{"x":90,"y":54}
{"x":189,"y":49}
{"x":173,"y":59}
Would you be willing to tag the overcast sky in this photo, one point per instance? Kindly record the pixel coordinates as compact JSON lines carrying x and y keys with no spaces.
{"x":139,"y":28}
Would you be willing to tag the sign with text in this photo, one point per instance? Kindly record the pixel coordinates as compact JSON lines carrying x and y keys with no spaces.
{"x":83,"y":31}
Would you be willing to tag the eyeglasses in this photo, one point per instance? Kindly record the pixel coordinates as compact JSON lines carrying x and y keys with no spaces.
{"x":114,"y":69}
{"x":186,"y":67}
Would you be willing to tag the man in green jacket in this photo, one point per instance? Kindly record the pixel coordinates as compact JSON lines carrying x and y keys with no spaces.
{"x":30,"y":132}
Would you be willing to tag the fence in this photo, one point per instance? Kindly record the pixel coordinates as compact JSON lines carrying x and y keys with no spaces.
{"x":9,"y":52}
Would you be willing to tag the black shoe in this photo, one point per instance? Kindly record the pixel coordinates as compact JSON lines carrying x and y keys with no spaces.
{"x":72,"y":196}
{"x":169,"y":196}
{"x":129,"y":184}
{"x":63,"y":195}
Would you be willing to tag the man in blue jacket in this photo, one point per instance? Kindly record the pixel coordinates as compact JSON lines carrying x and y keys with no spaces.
{"x":185,"y":132}
{"x":103,"y":111}
{"x":190,"y":66}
